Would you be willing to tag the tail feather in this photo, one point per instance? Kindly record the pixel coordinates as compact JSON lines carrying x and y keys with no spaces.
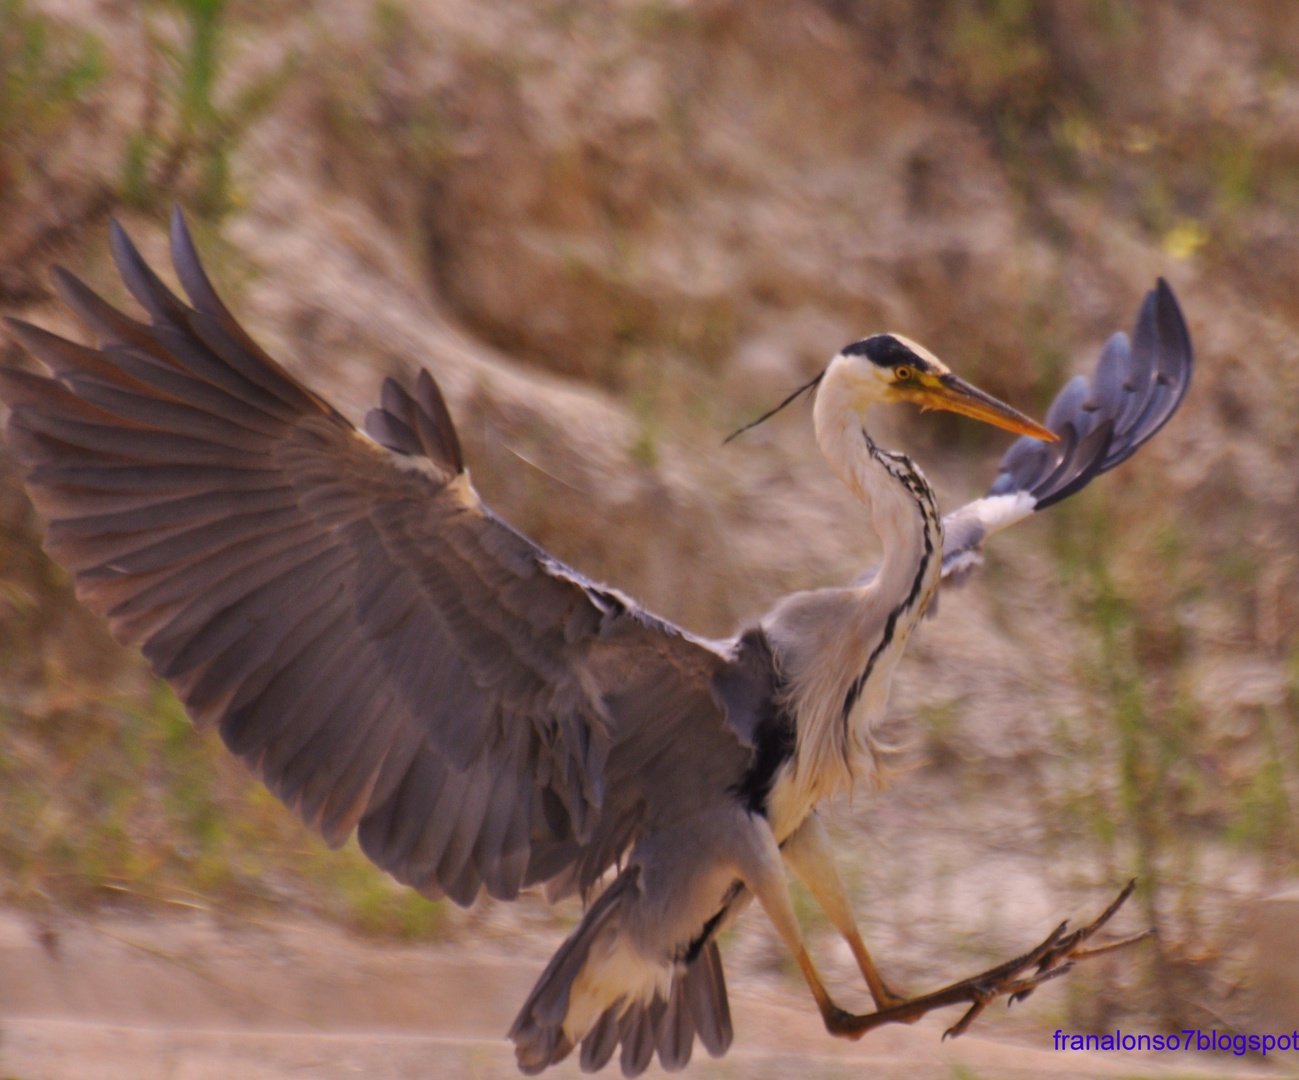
{"x":704,"y":998}
{"x":639,"y":1027}
{"x":602,"y":1040}
{"x":642,"y":1023}
{"x":549,"y":1047}
{"x":676,"y":1036}
{"x":537,"y":1031}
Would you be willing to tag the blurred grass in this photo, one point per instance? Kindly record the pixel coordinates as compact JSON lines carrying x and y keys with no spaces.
{"x":49,"y":75}
{"x":45,"y":72}
{"x":187,"y":134}
{"x":1157,"y":781}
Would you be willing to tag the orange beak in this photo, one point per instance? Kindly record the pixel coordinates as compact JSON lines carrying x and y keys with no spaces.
{"x":954,"y":394}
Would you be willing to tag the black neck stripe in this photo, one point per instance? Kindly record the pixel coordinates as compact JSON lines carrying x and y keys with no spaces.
{"x":906,"y":475}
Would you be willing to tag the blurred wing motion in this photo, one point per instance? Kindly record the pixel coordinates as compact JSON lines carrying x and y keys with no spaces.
{"x":377,"y":645}
{"x":1135,"y":390}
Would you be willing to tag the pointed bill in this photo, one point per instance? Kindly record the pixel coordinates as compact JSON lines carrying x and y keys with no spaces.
{"x":954,"y":394}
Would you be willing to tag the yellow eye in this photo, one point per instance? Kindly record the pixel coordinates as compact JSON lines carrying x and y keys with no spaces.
{"x":901,"y":374}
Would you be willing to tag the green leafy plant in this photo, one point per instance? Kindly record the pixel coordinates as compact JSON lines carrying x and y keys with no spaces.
{"x":45,"y":72}
{"x":1153,"y":783}
{"x":187,"y":135}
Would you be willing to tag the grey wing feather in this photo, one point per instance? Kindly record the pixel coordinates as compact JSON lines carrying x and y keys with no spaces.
{"x":963,"y":535}
{"x":1135,"y":390}
{"x":383,"y":650}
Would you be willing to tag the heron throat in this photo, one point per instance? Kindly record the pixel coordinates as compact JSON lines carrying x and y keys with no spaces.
{"x":842,"y":645}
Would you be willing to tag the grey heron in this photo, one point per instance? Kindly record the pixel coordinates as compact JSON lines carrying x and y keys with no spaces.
{"x":391,"y":657}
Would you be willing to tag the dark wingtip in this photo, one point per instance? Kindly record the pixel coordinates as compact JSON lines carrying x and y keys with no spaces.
{"x":1134,"y":401}
{"x":80,"y":297}
{"x":183,"y":251}
{"x":126,"y":256}
{"x":118,"y":238}
{"x":120,"y":247}
{"x":181,"y":242}
{"x":63,"y":277}
{"x":418,"y":424}
{"x":193,"y":278}
{"x":148,"y":289}
{"x":1167,"y":300}
{"x":436,"y":423}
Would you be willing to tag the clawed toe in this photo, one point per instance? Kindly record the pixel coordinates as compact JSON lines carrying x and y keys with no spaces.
{"x":1016,"y":989}
{"x":1015,"y":979}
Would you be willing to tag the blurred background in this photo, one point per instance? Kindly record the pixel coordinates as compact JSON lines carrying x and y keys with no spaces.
{"x":615,"y":230}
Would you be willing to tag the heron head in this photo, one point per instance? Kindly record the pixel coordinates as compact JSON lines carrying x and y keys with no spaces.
{"x":889,"y":368}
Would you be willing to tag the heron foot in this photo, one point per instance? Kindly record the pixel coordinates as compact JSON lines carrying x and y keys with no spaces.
{"x":1016,"y":979}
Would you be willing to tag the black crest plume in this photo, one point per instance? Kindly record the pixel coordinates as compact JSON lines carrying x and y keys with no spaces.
{"x":772,"y":412}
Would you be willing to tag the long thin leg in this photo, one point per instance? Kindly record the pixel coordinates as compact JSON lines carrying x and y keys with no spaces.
{"x":758,"y":862}
{"x":1052,"y":958}
{"x":808,"y":854}
{"x":760,"y":866}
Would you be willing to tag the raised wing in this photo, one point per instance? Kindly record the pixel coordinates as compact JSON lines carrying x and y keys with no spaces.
{"x":1135,"y":390}
{"x":379,"y":647}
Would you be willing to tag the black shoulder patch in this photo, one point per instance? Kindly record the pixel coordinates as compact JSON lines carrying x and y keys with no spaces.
{"x":750,"y":691}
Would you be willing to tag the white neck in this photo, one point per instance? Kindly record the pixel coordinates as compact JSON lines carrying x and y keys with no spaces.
{"x":887,"y":484}
{"x":838,"y":646}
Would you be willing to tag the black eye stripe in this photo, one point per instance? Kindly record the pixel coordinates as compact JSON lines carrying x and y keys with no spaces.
{"x":884,"y":350}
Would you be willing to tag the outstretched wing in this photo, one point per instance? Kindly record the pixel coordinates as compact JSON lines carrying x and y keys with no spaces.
{"x":383,"y":650}
{"x":1136,"y":388}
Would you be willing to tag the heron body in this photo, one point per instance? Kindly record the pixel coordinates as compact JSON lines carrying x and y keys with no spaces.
{"x":392,"y":658}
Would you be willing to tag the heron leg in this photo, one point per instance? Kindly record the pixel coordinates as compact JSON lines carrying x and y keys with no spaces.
{"x":808,"y":854}
{"x":761,"y":869}
{"x":1016,"y":978}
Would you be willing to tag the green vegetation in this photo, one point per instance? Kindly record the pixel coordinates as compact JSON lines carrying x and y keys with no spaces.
{"x":45,"y":73}
{"x":48,"y":77}
{"x":1062,"y":91}
{"x":1156,"y":782}
{"x":401,"y":142}
{"x":186,"y":135}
